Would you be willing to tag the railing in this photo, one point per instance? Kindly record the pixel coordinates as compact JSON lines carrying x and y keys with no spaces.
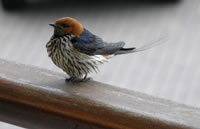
{"x":36,"y":98}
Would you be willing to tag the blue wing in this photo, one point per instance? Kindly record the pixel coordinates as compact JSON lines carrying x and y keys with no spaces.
{"x":91,"y":44}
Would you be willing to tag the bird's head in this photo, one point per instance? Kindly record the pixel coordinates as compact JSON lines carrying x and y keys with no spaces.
{"x":67,"y":25}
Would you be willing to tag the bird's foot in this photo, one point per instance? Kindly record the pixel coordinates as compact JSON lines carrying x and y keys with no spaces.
{"x":86,"y":79}
{"x":75,"y":79}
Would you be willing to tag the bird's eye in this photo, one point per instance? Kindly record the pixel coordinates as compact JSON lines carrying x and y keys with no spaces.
{"x":65,"y":25}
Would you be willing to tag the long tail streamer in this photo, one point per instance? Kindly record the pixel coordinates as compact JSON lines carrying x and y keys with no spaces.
{"x":149,"y":45}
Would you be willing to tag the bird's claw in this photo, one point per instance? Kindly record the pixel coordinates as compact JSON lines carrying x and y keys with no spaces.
{"x":75,"y":79}
{"x":86,"y":79}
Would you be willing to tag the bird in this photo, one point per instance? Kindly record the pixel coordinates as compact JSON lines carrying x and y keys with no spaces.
{"x":78,"y":52}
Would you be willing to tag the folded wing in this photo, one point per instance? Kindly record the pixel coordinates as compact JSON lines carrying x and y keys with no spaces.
{"x":91,"y":44}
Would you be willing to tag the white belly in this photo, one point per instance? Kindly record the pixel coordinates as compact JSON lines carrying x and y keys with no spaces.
{"x":74,"y":63}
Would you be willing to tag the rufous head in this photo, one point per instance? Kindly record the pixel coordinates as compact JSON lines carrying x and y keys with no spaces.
{"x":67,"y":25}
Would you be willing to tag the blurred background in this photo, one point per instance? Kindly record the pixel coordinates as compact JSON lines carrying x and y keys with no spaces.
{"x":170,"y":71}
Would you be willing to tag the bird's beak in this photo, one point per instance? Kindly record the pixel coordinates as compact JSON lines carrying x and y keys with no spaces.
{"x":53,"y":25}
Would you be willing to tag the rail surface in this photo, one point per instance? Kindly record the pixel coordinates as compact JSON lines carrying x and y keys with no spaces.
{"x":31,"y":97}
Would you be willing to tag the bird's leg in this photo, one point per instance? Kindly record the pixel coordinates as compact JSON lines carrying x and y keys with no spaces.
{"x":73,"y":79}
{"x":68,"y":79}
{"x":86,"y":78}
{"x":76,"y":79}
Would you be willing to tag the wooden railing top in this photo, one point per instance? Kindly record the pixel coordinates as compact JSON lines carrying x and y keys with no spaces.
{"x":34,"y":97}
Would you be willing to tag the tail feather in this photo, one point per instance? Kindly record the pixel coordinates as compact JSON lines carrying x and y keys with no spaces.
{"x":150,"y":45}
{"x":127,"y":49}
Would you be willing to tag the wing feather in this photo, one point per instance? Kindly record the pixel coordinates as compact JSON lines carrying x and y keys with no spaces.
{"x":91,"y":44}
